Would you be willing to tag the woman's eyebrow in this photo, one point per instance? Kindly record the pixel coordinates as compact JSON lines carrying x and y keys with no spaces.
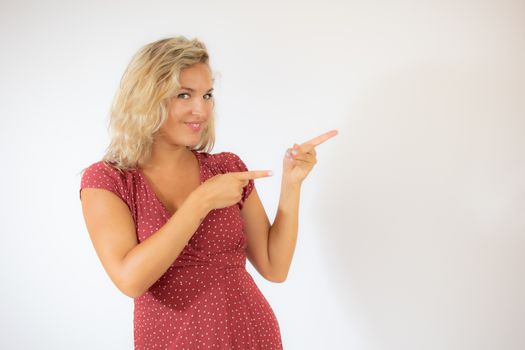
{"x":187,"y":88}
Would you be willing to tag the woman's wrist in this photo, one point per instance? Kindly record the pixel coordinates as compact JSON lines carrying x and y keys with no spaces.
{"x":285,"y":183}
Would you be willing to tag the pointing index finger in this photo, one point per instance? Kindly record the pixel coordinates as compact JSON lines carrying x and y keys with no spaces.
{"x":254,"y":174}
{"x":321,"y":138}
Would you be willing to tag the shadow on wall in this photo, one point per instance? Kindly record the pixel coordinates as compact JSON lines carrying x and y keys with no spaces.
{"x":426,"y":233}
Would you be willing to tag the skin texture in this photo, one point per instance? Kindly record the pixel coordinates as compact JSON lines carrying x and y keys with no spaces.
{"x":173,"y":173}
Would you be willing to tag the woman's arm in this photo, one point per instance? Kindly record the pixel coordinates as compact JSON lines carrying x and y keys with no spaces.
{"x":270,"y":248}
{"x":283,"y":233}
{"x":134,"y":267}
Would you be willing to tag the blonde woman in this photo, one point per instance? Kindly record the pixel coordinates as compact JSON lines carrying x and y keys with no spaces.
{"x":173,"y":224}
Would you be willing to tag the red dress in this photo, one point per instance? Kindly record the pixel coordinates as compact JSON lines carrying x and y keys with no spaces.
{"x":206,"y":299}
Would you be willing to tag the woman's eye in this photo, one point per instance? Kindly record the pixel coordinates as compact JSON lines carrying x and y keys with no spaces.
{"x":184,"y":94}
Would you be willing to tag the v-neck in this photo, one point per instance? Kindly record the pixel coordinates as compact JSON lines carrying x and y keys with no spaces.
{"x":157,"y":200}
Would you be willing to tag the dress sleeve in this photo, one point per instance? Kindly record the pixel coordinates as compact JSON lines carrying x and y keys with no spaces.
{"x":101,"y":175}
{"x":236,"y":164}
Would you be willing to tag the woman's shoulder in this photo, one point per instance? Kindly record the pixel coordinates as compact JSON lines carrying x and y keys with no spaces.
{"x":102,"y":174}
{"x":102,"y":168}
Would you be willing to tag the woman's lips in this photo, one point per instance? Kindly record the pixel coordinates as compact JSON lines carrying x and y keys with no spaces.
{"x":195,"y":127}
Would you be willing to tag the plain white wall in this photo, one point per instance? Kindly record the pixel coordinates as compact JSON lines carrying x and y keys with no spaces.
{"x":412,"y":233}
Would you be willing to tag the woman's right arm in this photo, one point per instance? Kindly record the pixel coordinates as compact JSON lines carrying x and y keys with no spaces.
{"x":135,"y":267}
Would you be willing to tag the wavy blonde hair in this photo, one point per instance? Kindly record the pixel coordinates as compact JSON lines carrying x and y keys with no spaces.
{"x":140,"y":106}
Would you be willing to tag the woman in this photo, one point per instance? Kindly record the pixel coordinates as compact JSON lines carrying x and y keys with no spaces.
{"x":173,"y":224}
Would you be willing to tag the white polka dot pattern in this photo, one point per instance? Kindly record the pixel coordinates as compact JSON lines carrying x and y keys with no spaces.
{"x":206,"y":299}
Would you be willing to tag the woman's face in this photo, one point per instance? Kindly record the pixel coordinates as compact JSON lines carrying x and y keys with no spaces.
{"x":191,"y":107}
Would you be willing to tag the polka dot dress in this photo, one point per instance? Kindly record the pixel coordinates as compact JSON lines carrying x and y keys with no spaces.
{"x":206,"y":299}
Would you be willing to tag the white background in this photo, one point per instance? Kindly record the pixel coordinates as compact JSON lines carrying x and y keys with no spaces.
{"x":412,"y":225}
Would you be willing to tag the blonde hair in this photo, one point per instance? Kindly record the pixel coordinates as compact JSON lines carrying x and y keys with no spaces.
{"x":140,"y":106}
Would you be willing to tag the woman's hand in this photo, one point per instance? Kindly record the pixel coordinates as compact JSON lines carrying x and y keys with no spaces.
{"x":300,"y":159}
{"x":225,"y":190}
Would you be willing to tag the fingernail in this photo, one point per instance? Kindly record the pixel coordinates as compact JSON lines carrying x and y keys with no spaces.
{"x":294,"y":152}
{"x":270,"y":173}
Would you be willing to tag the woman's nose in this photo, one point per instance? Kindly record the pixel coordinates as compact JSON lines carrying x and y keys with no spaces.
{"x":199,"y":108}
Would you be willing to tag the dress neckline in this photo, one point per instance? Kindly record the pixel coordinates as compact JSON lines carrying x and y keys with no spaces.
{"x":154,"y":195}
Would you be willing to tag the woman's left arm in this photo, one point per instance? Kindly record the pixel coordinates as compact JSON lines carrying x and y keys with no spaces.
{"x":270,"y":249}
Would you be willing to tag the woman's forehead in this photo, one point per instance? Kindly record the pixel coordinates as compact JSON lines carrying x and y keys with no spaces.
{"x":196,"y":78}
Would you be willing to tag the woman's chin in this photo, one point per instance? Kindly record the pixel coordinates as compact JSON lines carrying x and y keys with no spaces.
{"x":192,"y":144}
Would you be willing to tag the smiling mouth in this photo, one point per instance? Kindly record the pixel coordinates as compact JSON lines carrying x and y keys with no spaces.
{"x":194,"y":126}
